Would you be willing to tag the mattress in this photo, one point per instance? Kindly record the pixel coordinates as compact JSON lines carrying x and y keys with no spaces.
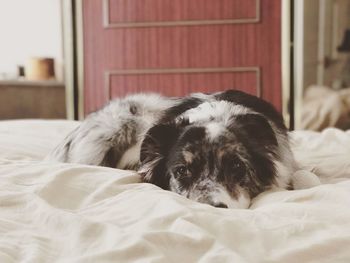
{"x":56,"y":212}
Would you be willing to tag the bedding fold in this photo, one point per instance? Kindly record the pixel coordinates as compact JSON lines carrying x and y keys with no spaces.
{"x":55,"y":212}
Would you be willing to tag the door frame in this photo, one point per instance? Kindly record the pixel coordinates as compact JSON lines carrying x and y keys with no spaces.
{"x":80,"y":58}
{"x":286,"y":63}
{"x":73,"y":55}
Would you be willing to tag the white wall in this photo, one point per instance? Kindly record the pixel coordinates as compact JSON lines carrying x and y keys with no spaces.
{"x":30,"y":28}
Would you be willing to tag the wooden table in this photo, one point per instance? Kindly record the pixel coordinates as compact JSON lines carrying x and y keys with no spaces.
{"x":21,"y":99}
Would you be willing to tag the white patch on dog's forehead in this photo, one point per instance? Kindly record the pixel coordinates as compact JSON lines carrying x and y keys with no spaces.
{"x":214,"y":129}
{"x":214,"y":111}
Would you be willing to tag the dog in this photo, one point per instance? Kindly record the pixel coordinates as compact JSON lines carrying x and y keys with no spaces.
{"x":222,"y":149}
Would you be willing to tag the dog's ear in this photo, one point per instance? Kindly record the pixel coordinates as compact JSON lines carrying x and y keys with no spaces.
{"x":154,"y":150}
{"x":256,"y":129}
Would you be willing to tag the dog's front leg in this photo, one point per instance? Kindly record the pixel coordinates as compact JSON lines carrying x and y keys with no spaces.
{"x":303,"y":179}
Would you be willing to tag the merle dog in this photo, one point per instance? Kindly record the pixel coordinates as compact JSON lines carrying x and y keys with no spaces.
{"x":222,"y":149}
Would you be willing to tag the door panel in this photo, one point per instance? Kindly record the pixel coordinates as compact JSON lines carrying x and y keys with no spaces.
{"x":121,"y":13}
{"x":181,"y":82}
{"x":177,"y":48}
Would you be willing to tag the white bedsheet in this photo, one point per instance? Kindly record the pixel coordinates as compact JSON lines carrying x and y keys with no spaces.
{"x":76,"y":213}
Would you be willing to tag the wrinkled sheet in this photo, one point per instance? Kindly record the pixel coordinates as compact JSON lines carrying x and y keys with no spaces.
{"x":52,"y":212}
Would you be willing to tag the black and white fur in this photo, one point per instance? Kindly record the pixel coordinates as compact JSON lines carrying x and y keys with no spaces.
{"x":222,"y":149}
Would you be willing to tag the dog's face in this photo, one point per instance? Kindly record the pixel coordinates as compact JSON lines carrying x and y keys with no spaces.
{"x":223,"y":162}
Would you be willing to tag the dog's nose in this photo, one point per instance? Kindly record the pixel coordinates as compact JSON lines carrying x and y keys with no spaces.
{"x":220,"y":205}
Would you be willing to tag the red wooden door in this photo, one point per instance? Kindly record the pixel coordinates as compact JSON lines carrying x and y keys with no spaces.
{"x":181,"y":46}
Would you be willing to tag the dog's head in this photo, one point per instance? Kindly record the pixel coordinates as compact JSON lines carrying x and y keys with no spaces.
{"x":221,"y":159}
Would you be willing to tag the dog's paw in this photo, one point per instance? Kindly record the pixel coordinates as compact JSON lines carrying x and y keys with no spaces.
{"x":304,"y":179}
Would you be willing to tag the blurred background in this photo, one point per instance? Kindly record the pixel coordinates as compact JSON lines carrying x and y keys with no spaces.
{"x":322,"y":64}
{"x":31,"y":59}
{"x":49,"y":54}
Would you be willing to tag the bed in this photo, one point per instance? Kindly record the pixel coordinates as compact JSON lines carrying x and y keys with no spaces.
{"x":56,"y":212}
{"x":325,"y":107}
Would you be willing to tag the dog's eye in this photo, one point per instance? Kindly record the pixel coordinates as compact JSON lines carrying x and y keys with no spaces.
{"x":238,"y":167}
{"x":181,"y":171}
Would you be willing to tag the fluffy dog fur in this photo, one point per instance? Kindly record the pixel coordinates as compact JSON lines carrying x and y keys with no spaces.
{"x":222,"y":149}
